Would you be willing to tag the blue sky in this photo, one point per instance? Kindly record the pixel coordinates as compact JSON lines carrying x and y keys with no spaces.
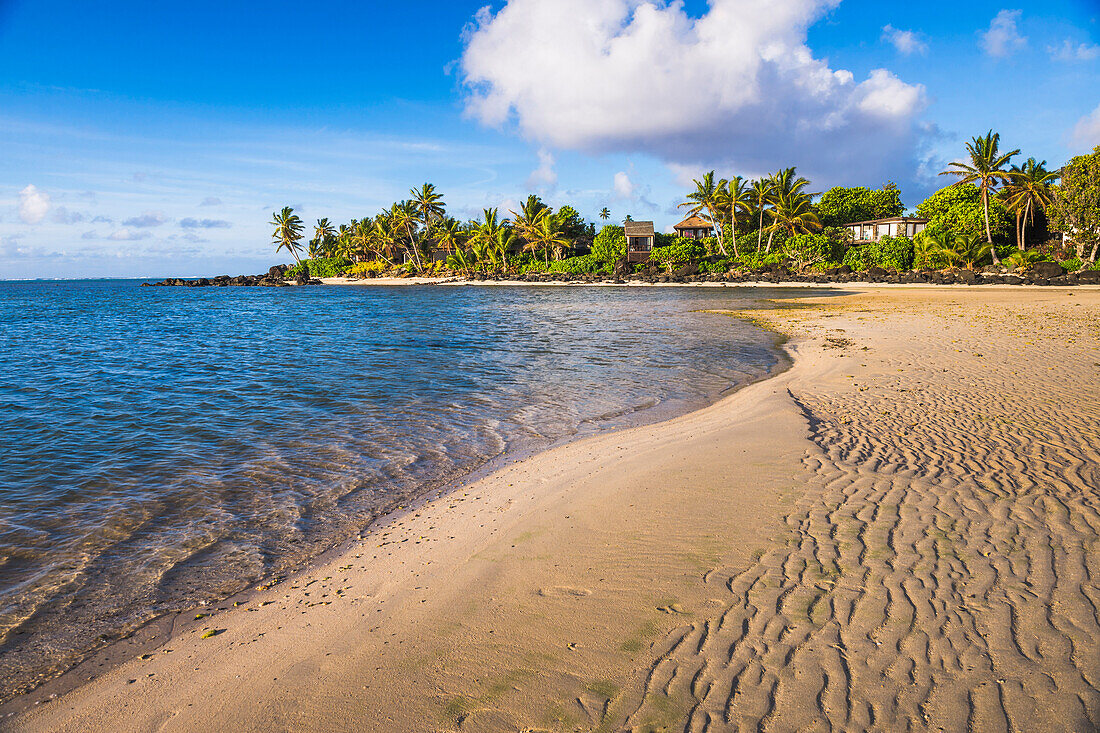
{"x":154,"y":139}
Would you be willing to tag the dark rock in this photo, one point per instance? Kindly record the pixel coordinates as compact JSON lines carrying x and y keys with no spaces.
{"x":968,"y":276}
{"x":1092,"y":277}
{"x":690,"y":268}
{"x":1047,"y":270}
{"x":1013,"y":280}
{"x":622,"y":268}
{"x":877,"y":272}
{"x":303,"y":276}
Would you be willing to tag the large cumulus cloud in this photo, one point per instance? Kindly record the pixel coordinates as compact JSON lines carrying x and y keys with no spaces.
{"x":737,"y":86}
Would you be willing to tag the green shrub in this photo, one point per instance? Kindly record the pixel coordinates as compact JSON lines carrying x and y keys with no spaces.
{"x":583,"y":265}
{"x":812,"y":249}
{"x":678,"y":254}
{"x":370,"y":269}
{"x":610,"y":244}
{"x":754,"y":261}
{"x":889,"y":253}
{"x":321,"y":267}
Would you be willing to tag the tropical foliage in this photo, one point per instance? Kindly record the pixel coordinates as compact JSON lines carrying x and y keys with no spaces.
{"x":771,"y":221}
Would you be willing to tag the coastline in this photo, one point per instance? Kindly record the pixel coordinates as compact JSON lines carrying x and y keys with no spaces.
{"x":578,"y":573}
{"x":855,"y":286}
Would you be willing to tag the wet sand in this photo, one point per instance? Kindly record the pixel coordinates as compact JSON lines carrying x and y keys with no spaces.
{"x":900,"y":532}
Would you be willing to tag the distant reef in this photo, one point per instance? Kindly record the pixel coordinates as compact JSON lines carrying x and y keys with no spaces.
{"x":274,"y":278}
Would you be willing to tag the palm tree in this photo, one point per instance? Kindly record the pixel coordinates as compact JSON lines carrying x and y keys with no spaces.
{"x":542,"y":233}
{"x":1029,"y":188}
{"x":428,"y":204}
{"x":449,"y":234}
{"x":288,"y":231}
{"x":736,"y":199}
{"x":403,"y":219}
{"x":707,"y":199}
{"x":761,"y":197}
{"x":986,"y":170}
{"x":794,"y":214}
{"x":605,"y":213}
{"x":797,"y":209}
{"x":323,"y":231}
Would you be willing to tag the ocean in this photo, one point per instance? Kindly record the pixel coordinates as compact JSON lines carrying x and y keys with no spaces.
{"x":168,"y":446}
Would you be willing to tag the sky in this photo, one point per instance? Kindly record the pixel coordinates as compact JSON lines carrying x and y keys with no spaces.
{"x":156,"y":139}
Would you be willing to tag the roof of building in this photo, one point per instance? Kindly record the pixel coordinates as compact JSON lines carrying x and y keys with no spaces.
{"x":694,"y":222}
{"x":638,"y":228}
{"x":889,"y":219}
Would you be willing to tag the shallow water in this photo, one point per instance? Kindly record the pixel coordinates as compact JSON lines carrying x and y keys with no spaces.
{"x":166,"y":446}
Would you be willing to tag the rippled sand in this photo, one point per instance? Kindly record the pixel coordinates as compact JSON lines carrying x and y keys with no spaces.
{"x":899,"y":533}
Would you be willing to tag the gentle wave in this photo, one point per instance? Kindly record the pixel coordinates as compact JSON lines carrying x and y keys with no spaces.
{"x":164,"y":447}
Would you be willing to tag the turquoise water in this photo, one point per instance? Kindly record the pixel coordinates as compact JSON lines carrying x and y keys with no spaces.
{"x":166,"y":446}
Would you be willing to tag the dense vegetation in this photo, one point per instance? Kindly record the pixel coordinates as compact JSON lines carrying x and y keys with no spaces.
{"x":994,"y":211}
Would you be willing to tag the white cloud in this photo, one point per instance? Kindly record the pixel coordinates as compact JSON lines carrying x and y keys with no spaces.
{"x":126,"y":235}
{"x":33,"y":204}
{"x":1070,"y":52}
{"x":1087,"y":130}
{"x":544,"y":176}
{"x":148,"y":219}
{"x":1003,"y":38}
{"x":906,"y":42}
{"x":623,"y":187}
{"x":737,"y":86}
{"x":62,"y":215}
{"x":190,"y":223}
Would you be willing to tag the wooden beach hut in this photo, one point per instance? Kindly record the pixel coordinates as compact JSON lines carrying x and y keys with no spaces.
{"x":694,"y":227}
{"x":639,"y":240}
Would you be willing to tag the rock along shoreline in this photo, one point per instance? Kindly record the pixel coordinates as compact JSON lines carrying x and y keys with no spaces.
{"x":1043,"y":273}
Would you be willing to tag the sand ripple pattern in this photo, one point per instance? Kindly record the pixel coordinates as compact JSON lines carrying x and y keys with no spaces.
{"x":942,"y":572}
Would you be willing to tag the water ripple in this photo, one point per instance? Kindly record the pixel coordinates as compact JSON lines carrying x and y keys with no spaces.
{"x":167,"y":446}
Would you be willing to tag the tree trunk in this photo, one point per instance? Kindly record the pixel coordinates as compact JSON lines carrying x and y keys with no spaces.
{"x":988,"y":231}
{"x":1095,"y":245}
{"x":733,"y":226}
{"x":1019,"y":232}
{"x":718,"y":232}
{"x":771,"y":236}
{"x":760,"y":229}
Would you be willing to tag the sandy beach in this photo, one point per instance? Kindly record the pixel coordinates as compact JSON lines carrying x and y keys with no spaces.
{"x":899,"y":532}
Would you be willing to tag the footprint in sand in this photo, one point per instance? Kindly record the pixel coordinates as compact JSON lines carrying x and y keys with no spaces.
{"x":559,"y":591}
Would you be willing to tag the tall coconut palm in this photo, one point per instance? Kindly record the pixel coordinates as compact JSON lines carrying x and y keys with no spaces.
{"x":1029,"y":189}
{"x":449,"y":234}
{"x":605,"y":214}
{"x":542,"y":233}
{"x":323,"y":232}
{"x":706,"y":200}
{"x":403,"y":217}
{"x":985,"y":170}
{"x":793,"y":213}
{"x":761,"y":195}
{"x":787,"y":192}
{"x":736,"y":199}
{"x":288,"y":232}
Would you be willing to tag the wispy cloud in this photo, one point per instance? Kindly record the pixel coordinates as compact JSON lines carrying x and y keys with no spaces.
{"x":211,"y":201}
{"x":148,"y":219}
{"x":1003,"y":38}
{"x":543,"y":177}
{"x":906,"y":42}
{"x":190,"y":223}
{"x":126,"y":235}
{"x":62,"y":215}
{"x":1069,"y":51}
{"x":1086,"y":132}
